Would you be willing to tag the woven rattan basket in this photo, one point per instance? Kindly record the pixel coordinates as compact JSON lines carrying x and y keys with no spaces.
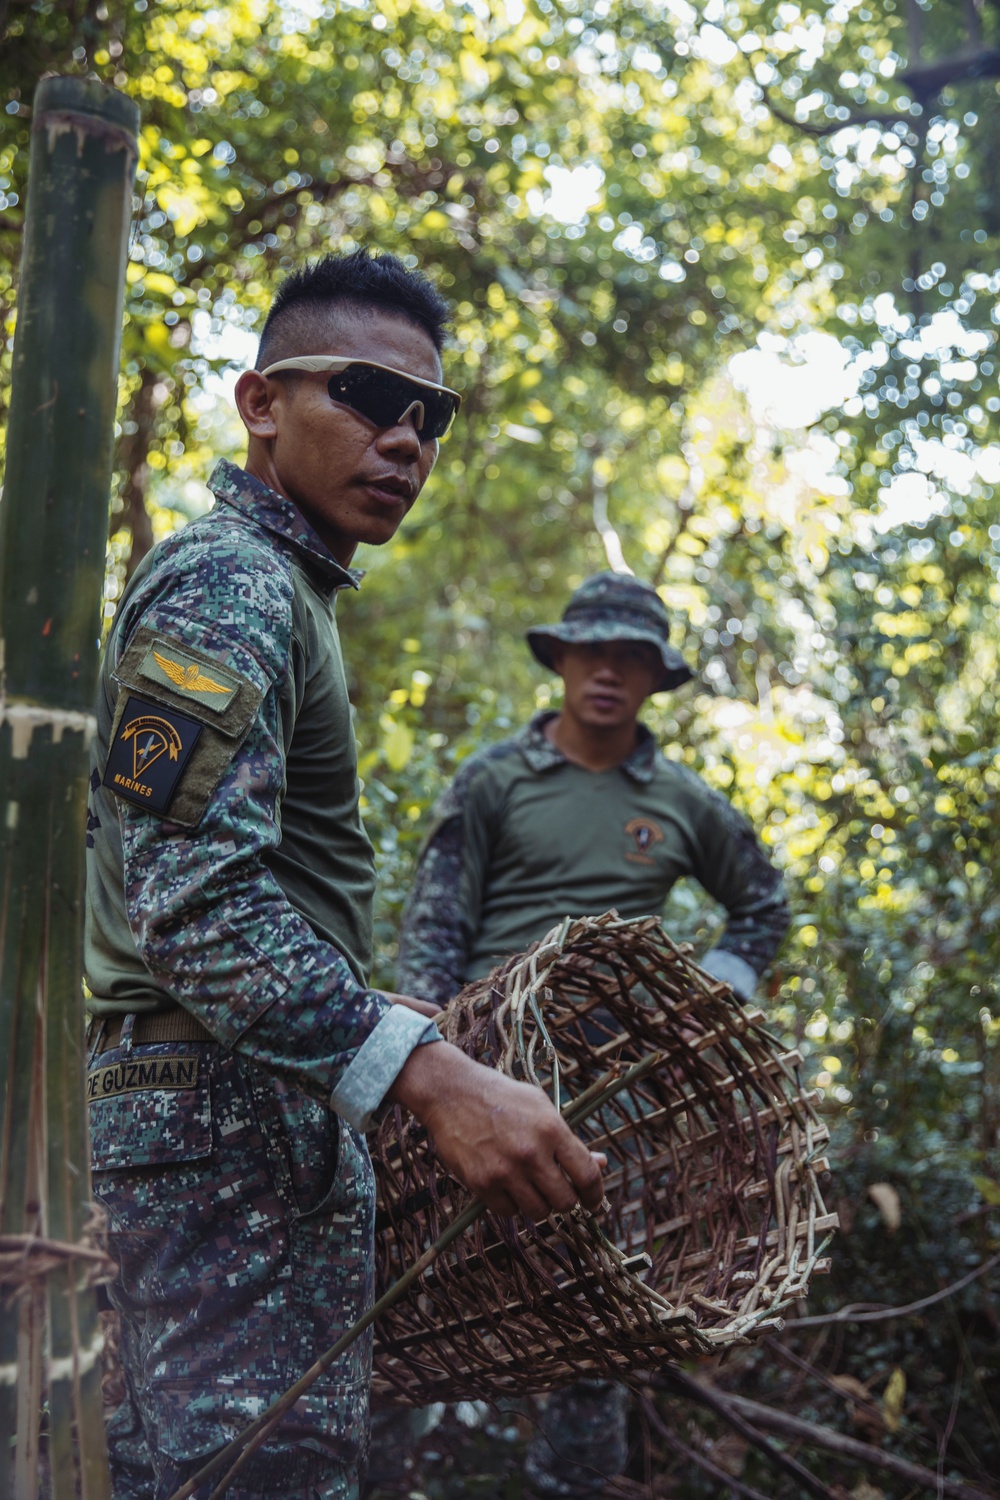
{"x":715,"y":1220}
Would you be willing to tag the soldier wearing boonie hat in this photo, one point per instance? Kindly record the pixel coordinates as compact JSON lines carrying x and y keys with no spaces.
{"x":614,"y":607}
{"x":577,"y":813}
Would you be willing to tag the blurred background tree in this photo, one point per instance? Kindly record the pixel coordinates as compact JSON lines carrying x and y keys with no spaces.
{"x":726,"y":281}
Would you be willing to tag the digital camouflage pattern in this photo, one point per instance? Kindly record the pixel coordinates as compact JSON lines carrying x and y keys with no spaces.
{"x":522,"y":837}
{"x":240,"y":1214}
{"x":240,"y":1205}
{"x":615,"y":607}
{"x":256,"y":918}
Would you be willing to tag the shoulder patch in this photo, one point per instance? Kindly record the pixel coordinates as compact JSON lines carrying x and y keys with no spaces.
{"x":191,"y":714}
{"x":169,"y":664}
{"x":150,"y":749}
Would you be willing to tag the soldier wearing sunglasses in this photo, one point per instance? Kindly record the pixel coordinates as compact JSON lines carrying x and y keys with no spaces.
{"x":237,"y":1050}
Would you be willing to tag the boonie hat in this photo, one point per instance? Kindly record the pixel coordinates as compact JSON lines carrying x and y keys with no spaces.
{"x":614,"y":607}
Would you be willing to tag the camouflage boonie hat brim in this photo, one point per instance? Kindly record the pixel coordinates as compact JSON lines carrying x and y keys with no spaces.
{"x":614,"y":607}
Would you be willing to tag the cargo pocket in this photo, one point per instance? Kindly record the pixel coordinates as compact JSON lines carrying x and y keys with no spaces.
{"x":303,"y":1139}
{"x":151,"y":1148}
{"x":150,"y":1106}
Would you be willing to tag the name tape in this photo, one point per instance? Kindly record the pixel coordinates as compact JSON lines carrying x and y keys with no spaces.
{"x":151,"y":1073}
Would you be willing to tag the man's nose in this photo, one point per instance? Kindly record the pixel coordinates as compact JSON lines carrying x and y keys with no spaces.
{"x":402,"y":437}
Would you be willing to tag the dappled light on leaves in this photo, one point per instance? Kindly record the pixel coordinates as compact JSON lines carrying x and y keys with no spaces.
{"x":727,"y":290}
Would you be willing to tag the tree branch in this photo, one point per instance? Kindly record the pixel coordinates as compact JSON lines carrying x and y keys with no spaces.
{"x":270,"y":204}
{"x":966,"y":66}
{"x":974,"y":22}
{"x":661,"y":562}
{"x":848,"y":1447}
{"x":686,"y":501}
{"x":809,"y":128}
{"x":870,"y":1408}
{"x":700,"y":1460}
{"x":881,"y":1314}
{"x":915,"y":28}
{"x":723,"y":1406}
{"x":133,"y":451}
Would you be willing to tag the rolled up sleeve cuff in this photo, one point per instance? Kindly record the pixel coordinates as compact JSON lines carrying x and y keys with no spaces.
{"x":732,"y":970}
{"x":367,"y":1079}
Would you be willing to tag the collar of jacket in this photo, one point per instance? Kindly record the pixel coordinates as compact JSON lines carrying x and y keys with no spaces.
{"x":542,"y":755}
{"x":230,"y":483}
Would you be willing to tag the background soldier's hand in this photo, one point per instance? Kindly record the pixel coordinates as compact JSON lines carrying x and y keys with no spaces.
{"x":502,"y":1138}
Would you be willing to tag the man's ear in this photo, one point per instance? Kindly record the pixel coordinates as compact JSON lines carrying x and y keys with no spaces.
{"x":558,"y":654}
{"x":255,"y":398}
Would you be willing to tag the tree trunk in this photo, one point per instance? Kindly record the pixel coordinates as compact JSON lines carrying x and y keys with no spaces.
{"x":53,"y":525}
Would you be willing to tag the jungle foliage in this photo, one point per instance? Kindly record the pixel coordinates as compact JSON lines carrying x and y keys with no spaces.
{"x":760,"y":189}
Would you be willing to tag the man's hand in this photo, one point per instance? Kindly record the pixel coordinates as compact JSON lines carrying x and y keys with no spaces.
{"x":502,"y":1138}
{"x":425,"y":1007}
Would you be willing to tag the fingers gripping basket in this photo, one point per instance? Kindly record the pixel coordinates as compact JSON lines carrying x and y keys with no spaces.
{"x":715,"y":1219}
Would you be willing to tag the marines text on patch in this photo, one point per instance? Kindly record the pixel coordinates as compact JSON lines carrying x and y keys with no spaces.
{"x":149,"y":752}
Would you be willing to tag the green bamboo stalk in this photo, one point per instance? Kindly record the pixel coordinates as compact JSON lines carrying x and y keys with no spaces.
{"x":53,"y":525}
{"x":250,"y":1439}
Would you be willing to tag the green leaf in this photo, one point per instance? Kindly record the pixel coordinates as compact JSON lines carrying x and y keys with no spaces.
{"x":398,"y":746}
{"x":989,"y":1189}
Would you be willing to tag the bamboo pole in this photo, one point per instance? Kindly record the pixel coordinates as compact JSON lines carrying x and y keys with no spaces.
{"x":53,"y":525}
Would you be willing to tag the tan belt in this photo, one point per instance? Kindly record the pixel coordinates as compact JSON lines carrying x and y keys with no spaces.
{"x":177,"y":1025}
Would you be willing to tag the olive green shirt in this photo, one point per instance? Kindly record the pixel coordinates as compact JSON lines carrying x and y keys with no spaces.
{"x":523,"y":837}
{"x":228,"y":870}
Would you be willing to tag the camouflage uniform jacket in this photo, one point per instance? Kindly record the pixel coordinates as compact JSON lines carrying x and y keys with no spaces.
{"x":523,"y":837}
{"x":228,"y":869}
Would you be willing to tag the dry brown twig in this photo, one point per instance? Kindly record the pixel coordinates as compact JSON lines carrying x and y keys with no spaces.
{"x":865,"y":1313}
{"x":700,"y":1460}
{"x":741,"y":1410}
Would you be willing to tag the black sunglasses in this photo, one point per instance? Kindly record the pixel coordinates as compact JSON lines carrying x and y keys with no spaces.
{"x":384,"y":395}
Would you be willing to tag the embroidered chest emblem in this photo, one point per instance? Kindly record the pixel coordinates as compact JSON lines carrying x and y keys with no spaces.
{"x":645,"y":835}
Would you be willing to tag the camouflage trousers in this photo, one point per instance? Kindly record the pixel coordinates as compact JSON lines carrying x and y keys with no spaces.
{"x":240,"y":1213}
{"x":582,"y":1440}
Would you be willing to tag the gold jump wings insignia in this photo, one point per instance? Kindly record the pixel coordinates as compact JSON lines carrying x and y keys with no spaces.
{"x":189,"y":679}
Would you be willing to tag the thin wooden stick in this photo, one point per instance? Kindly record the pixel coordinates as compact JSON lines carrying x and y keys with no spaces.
{"x":252,"y":1437}
{"x":838,"y":1442}
{"x":881,"y":1314}
{"x":724,"y":1406}
{"x":700,"y":1460}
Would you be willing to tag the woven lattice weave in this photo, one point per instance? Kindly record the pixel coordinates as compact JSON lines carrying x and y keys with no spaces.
{"x":715,"y":1216}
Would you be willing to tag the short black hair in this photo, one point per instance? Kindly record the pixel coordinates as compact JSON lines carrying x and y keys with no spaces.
{"x":365,"y":282}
